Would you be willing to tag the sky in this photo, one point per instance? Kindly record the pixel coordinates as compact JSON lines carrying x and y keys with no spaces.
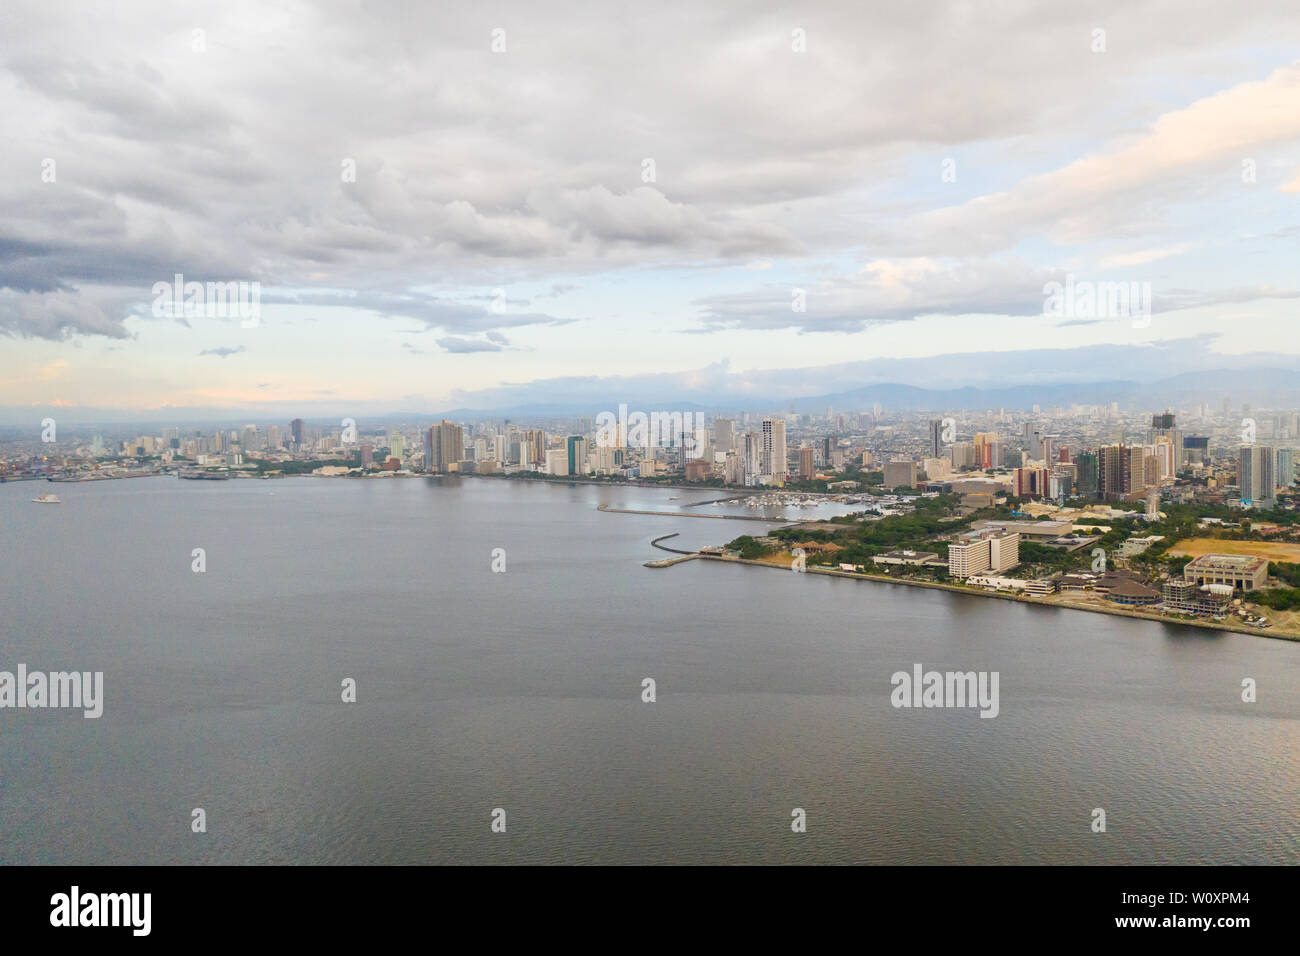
{"x":458,"y":205}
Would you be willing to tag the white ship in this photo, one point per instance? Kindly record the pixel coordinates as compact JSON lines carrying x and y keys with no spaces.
{"x":47,"y":499}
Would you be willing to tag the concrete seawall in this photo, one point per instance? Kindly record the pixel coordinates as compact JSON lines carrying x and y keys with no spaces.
{"x":1021,"y":599}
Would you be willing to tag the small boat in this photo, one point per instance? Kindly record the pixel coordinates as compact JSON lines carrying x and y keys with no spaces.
{"x":47,"y":499}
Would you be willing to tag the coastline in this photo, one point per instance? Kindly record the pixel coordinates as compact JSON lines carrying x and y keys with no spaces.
{"x":1118,"y":611}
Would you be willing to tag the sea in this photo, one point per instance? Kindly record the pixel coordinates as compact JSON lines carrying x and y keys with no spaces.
{"x":526,"y":691}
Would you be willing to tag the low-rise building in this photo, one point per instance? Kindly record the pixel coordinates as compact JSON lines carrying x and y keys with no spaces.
{"x":1078,"y":582}
{"x":1134,"y":546}
{"x":1243,"y":571}
{"x":1131,"y":592}
{"x":1191,"y":598}
{"x":996,"y":582}
{"x":905,"y":557}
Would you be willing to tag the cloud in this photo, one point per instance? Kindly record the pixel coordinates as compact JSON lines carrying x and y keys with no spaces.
{"x":1109,"y":192}
{"x":900,"y":290}
{"x":223,"y":352}
{"x":233,"y":163}
{"x":461,"y":344}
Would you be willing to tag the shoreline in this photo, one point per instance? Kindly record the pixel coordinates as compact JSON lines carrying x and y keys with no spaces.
{"x":1118,"y":611}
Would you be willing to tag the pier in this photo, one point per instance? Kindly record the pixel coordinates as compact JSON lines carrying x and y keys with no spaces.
{"x":687,"y":514}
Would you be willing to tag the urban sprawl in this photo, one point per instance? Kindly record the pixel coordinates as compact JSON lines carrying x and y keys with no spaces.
{"x":1188,"y":514}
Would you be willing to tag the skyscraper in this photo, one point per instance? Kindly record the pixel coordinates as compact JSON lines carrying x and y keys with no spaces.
{"x":297,"y":432}
{"x":1121,"y":470}
{"x":1285,"y":471}
{"x":537,"y":447}
{"x":806,"y":469}
{"x":444,"y":445}
{"x":1085,"y":464}
{"x":576,"y":446}
{"x":1256,"y":478}
{"x":936,"y":437}
{"x":725,"y":438}
{"x":774,"y":456}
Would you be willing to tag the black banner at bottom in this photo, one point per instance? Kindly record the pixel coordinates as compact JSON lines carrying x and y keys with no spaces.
{"x":370,"y":904}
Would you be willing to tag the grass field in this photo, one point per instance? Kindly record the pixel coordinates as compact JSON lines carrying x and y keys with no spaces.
{"x":1273,"y":550}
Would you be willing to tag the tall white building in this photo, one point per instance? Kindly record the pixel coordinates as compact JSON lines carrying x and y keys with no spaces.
{"x":774,"y":457}
{"x":557,"y":461}
{"x":995,"y":550}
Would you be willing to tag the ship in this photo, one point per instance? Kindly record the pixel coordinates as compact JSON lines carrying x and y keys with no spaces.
{"x":46,"y":499}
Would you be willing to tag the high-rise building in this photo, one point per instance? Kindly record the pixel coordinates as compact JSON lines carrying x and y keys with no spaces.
{"x":444,"y":445}
{"x":298,"y":432}
{"x":1085,"y":465}
{"x":936,"y":437}
{"x":1196,"y":449}
{"x":1284,"y":474}
{"x":724,"y":439}
{"x":537,"y":447}
{"x":988,"y":450}
{"x":576,"y":446}
{"x":774,"y":456}
{"x":991,"y":549}
{"x":900,"y":474}
{"x":1255,"y":476}
{"x":1121,"y":471}
{"x":557,"y":462}
{"x":806,"y":469}
{"x":735,"y":468}
{"x":1030,"y":482}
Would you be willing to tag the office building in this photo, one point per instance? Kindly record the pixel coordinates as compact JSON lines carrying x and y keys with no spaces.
{"x":900,"y":474}
{"x":1258,"y":485}
{"x":936,"y":437}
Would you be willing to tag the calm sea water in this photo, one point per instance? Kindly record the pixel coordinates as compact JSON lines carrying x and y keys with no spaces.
{"x":521,"y":690}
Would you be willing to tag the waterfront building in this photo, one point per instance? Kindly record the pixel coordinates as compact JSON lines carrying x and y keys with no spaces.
{"x":1189,"y":597}
{"x":992,"y":549}
{"x":444,"y":445}
{"x":1244,"y":572}
{"x":557,"y":462}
